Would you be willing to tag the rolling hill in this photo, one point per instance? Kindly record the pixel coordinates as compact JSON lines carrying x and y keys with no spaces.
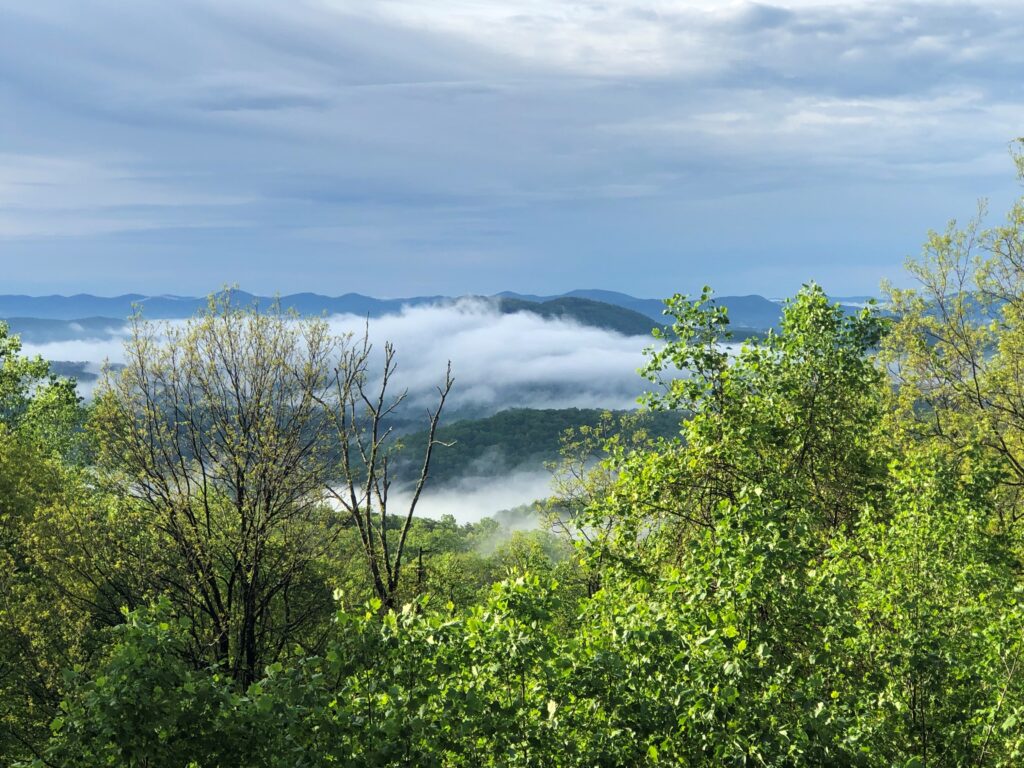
{"x":513,"y":439}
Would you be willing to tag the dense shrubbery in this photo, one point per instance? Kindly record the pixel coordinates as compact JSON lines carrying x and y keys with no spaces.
{"x":825,"y":569}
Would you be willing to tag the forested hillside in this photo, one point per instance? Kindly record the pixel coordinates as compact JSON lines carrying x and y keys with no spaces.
{"x":586,"y":312}
{"x":524,"y":437}
{"x":823,"y":568}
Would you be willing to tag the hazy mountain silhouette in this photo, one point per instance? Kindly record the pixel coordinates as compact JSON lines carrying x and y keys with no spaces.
{"x":605,"y":309}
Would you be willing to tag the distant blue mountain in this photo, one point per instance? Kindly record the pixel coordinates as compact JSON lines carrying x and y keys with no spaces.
{"x":745,"y":312}
{"x":754,"y":312}
{"x":650,"y":307}
{"x":169,"y":307}
{"x":69,"y":307}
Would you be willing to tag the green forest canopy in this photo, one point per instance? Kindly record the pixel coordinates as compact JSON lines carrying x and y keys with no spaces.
{"x":825,"y":568}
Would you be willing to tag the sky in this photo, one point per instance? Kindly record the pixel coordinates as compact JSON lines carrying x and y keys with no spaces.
{"x":402,"y":147}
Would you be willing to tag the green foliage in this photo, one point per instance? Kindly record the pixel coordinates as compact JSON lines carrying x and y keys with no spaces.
{"x":41,"y":628}
{"x":938,"y":616}
{"x":34,"y":402}
{"x":956,"y":351}
{"x":821,"y":569}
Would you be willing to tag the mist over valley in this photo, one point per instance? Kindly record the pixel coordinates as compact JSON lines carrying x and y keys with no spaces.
{"x":526,"y":369}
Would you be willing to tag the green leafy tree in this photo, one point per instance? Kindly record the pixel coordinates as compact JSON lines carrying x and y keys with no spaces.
{"x":796,"y":414}
{"x":213,"y":429}
{"x":956,"y":351}
{"x":40,"y":628}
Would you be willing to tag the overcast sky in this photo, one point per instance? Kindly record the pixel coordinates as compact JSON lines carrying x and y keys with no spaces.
{"x":403,"y":147}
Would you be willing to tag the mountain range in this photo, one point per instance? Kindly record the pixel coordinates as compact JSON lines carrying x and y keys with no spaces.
{"x":43,"y":319}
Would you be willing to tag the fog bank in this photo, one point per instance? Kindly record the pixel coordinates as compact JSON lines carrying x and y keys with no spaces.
{"x":476,"y":497}
{"x":499,"y":360}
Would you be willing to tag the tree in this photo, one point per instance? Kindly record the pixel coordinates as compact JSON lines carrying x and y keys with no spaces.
{"x":41,"y":630}
{"x":360,"y":409}
{"x":233,"y":432}
{"x":796,"y":412}
{"x":957,"y":351}
{"x":214,"y":429}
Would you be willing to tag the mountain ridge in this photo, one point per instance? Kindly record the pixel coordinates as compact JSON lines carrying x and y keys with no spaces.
{"x":749,"y":311}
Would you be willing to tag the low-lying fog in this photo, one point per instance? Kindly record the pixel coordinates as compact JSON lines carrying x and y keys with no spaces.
{"x":499,"y":361}
{"x":475,"y":497}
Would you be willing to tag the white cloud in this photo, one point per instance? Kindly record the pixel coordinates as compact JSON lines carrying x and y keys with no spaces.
{"x":696,"y":37}
{"x":499,"y":361}
{"x":473,"y":498}
{"x":509,"y":360}
{"x":94,"y":351}
{"x":64,"y":196}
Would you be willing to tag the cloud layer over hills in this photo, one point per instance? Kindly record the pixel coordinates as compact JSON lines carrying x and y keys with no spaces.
{"x":499,"y":360}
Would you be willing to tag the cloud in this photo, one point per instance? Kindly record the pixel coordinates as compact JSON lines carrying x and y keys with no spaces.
{"x":401,"y":147}
{"x":499,"y":361}
{"x":473,"y":498}
{"x":87,"y":350}
{"x":514,"y":360}
{"x":832,"y":44}
{"x":58,"y":196}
